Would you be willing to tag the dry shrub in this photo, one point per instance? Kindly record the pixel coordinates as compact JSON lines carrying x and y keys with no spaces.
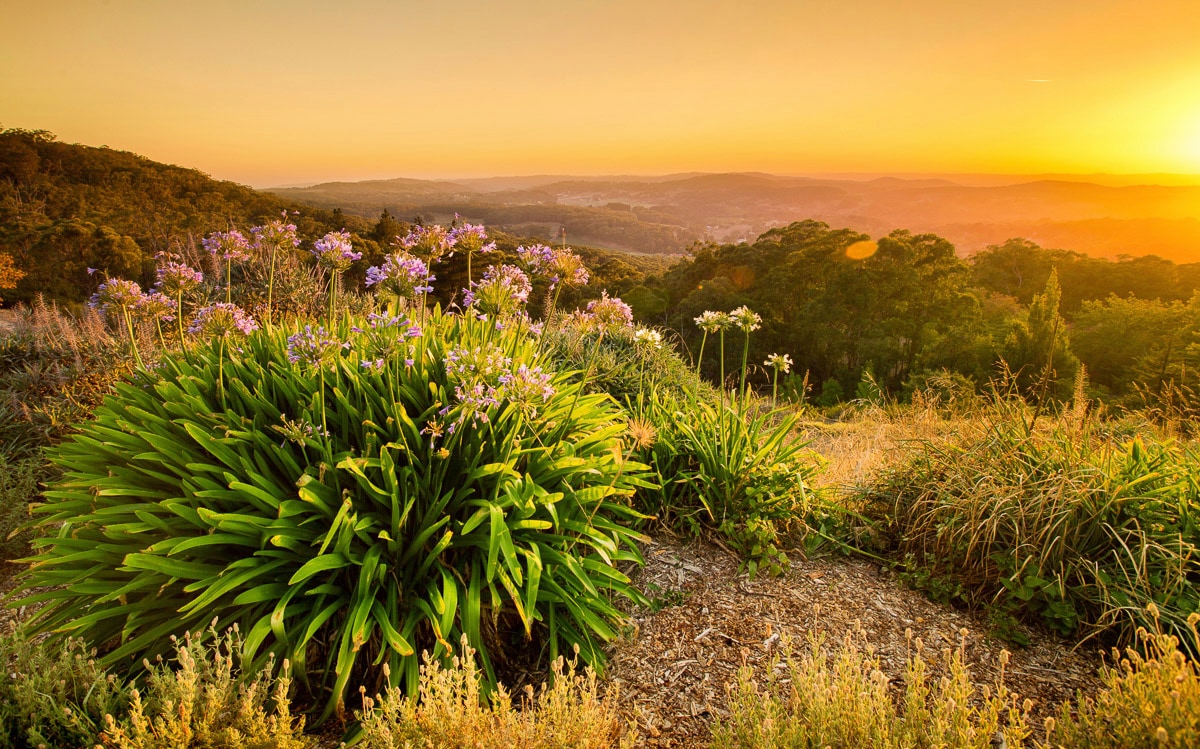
{"x":451,"y":711}
{"x":206,"y":702}
{"x":820,"y":698}
{"x":1151,"y":698}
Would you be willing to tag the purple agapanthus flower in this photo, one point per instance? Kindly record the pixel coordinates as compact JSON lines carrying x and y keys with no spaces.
{"x":470,"y":238}
{"x":275,"y":234}
{"x":428,"y":242}
{"x":221,"y":320}
{"x":313,"y":346}
{"x":175,"y":278}
{"x":116,"y":293}
{"x":501,"y":292}
{"x":335,"y":251}
{"x":557,"y":265}
{"x":228,"y":245}
{"x":401,"y":275}
{"x":609,"y":311}
{"x":156,"y":305}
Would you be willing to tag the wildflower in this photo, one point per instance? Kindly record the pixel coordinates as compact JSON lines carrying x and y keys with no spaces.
{"x":229,"y":245}
{"x":743,"y":318}
{"x":536,"y":259}
{"x":91,"y":271}
{"x":114,"y":293}
{"x":174,"y":278}
{"x":713,"y":322}
{"x":401,"y":275}
{"x":312,"y":346}
{"x":334,"y":251}
{"x":275,"y":234}
{"x":779,"y":362}
{"x":526,"y":387}
{"x":648,"y":337}
{"x":470,"y":238}
{"x":607,"y":311}
{"x":428,"y":242}
{"x":221,"y":320}
{"x":155,"y":306}
{"x":642,"y":433}
{"x":501,"y":291}
{"x":375,"y":366}
{"x":298,"y":431}
{"x":557,"y":265}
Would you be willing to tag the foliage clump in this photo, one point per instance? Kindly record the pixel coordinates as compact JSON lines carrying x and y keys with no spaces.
{"x":348,"y":507}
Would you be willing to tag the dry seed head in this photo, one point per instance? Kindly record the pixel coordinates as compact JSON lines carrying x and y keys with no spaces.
{"x":1005,"y":656}
{"x":1152,"y":610}
{"x":1161,"y":735}
{"x":1027,"y":705}
{"x":1049,"y":724}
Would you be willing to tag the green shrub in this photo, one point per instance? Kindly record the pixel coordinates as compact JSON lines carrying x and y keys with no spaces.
{"x":820,"y":698}
{"x":1057,"y":520}
{"x":18,"y":487}
{"x":53,"y":694}
{"x":1151,"y":698}
{"x":205,"y":700}
{"x":622,"y":364}
{"x":743,"y":472}
{"x":346,"y":510}
{"x":451,"y":712}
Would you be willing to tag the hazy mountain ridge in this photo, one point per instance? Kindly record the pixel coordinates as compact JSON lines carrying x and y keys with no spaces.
{"x":1105,"y":220}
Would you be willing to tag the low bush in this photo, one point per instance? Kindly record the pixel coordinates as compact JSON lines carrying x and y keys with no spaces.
{"x":1057,"y":520}
{"x":18,"y":487}
{"x":820,"y":698}
{"x":1151,"y":698}
{"x":206,"y":699}
{"x":452,"y":712}
{"x":348,"y":499}
{"x":54,"y":695}
{"x":743,"y":473}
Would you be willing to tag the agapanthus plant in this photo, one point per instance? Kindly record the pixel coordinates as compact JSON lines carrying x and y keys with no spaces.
{"x":222,"y":321}
{"x":777,"y":363}
{"x":401,"y":276}
{"x":335,"y":253}
{"x":559,"y":266}
{"x":347,"y":549}
{"x":430,"y":243}
{"x":270,"y":239}
{"x":470,"y":239}
{"x":502,"y":292}
{"x":228,"y":246}
{"x":119,"y":294}
{"x":712,"y":322}
{"x":176,"y":280}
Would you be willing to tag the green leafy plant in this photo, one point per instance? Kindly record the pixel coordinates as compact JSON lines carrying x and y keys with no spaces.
{"x":454,"y":489}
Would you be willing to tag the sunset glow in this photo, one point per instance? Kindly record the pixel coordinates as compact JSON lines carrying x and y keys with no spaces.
{"x":274,"y":93}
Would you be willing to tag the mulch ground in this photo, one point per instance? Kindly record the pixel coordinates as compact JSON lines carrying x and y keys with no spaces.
{"x":673,"y":673}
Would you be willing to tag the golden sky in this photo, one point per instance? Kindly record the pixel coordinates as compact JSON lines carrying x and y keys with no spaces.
{"x":280,"y":92}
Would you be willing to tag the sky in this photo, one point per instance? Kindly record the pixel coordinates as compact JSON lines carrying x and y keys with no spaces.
{"x":273,"y":93}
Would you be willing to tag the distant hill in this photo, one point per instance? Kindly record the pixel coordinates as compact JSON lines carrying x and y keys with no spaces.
{"x":65,"y":208}
{"x":1103,"y":218}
